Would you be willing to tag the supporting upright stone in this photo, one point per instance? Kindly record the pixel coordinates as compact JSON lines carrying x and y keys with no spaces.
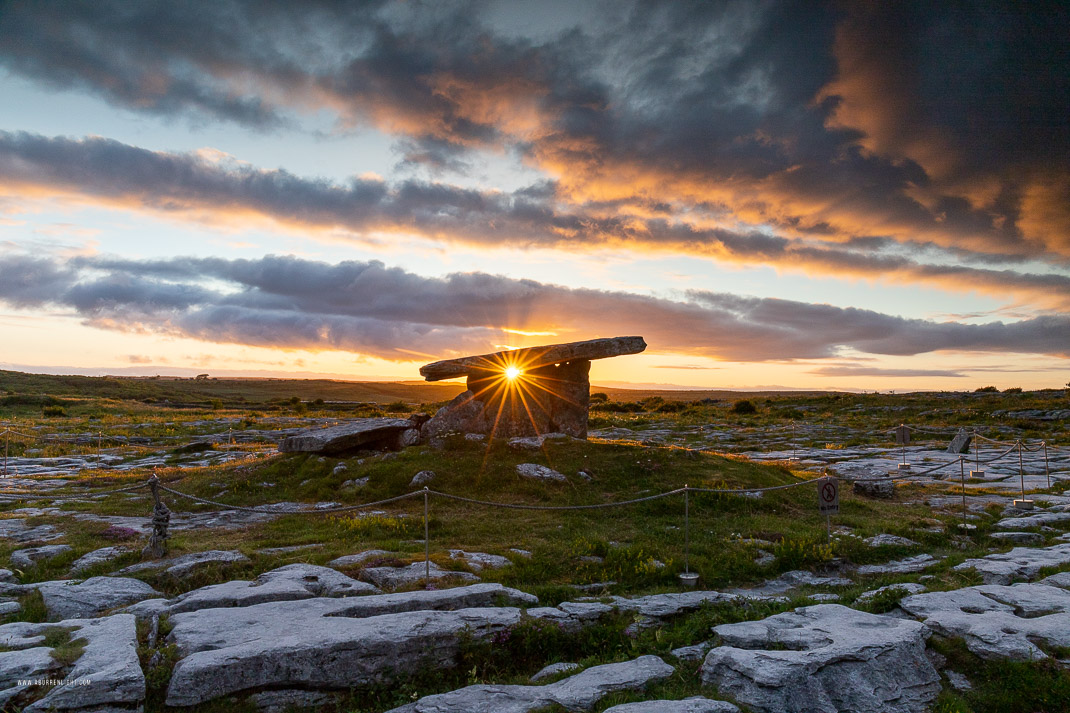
{"x":524,"y":392}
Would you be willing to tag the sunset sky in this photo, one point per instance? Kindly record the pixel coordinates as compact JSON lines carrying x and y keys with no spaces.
{"x":857,"y":195}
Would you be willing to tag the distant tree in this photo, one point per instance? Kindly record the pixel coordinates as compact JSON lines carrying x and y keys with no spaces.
{"x":986,"y":390}
{"x":599,"y":397}
{"x":201,"y":377}
{"x":1013,"y":390}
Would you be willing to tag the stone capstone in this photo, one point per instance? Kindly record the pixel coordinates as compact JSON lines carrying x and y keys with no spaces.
{"x":575,"y":693}
{"x":824,"y":658}
{"x":314,"y":644}
{"x":358,"y":434}
{"x":533,"y":357}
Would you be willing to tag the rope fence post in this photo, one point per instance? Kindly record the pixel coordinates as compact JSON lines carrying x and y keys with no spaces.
{"x":962,"y":482}
{"x":1047,"y":472}
{"x":161,"y":518}
{"x":427,"y":540}
{"x":687,"y":530}
{"x":1023,"y":503}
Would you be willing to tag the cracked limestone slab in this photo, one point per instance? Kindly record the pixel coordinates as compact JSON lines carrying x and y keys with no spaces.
{"x":575,"y":693}
{"x":184,"y":564}
{"x":824,"y":658}
{"x":107,"y":676}
{"x":697,"y":704}
{"x":1038,"y":520}
{"x":313,"y":643}
{"x":1019,"y":563}
{"x":916,"y":563}
{"x":660,"y":606}
{"x":998,"y":621}
{"x":72,"y":598}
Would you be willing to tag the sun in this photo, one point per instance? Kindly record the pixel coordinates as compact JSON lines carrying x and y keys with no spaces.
{"x":512,"y":372}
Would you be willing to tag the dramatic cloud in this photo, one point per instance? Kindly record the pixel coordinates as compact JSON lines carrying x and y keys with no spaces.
{"x":371,"y":309}
{"x":916,"y":122}
{"x":181,"y":184}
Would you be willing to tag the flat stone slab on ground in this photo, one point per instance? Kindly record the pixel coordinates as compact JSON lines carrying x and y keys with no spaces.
{"x":109,"y":662}
{"x":371,"y":433}
{"x":575,"y":693}
{"x":697,"y":704}
{"x":479,"y":561}
{"x":359,"y":558}
{"x":184,"y":564}
{"x":824,"y":658}
{"x":1038,"y":520}
{"x":31,"y":556}
{"x":885,"y":540}
{"x":916,"y":563}
{"x":552,"y":670}
{"x":792,"y":580}
{"x":396,"y":577}
{"x":998,"y":621}
{"x":1018,"y":538}
{"x":73,"y":599}
{"x":902,"y":590}
{"x":1019,"y":563}
{"x":535,"y":471}
{"x":660,"y":606}
{"x":91,"y":559}
{"x":314,"y":644}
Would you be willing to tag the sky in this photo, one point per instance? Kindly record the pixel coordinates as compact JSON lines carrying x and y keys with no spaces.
{"x":857,"y":195}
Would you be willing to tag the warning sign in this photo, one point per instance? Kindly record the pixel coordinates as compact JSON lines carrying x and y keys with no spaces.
{"x":902,"y":435}
{"x":828,"y":496}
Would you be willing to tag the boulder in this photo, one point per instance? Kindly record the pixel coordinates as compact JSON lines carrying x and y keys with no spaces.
{"x":961,"y":442}
{"x":884,"y":488}
{"x":553,"y":670}
{"x":885,"y":540}
{"x":661,"y":606}
{"x":902,"y":590}
{"x":288,"y":700}
{"x":314,"y":644}
{"x":361,"y":433}
{"x":575,"y":693}
{"x":1018,"y":538}
{"x":1038,"y":520}
{"x":70,"y":599}
{"x":422,"y":478}
{"x":824,"y":658}
{"x":17,"y":529}
{"x":359,"y":558}
{"x":998,"y":621}
{"x":695,"y":652}
{"x":479,"y":561}
{"x":31,"y":556}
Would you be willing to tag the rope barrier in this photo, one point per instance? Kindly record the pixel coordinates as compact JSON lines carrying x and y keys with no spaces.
{"x":260,"y":508}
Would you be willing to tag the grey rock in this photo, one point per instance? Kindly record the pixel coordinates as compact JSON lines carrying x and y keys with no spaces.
{"x":479,"y":561}
{"x":91,"y":559}
{"x":960,"y":443}
{"x":661,"y":606}
{"x":17,"y":529}
{"x":475,"y":437}
{"x":181,"y":566}
{"x":31,"y":556}
{"x":824,"y":658}
{"x":72,"y":599}
{"x":958,"y":681}
{"x":539,"y":472}
{"x":356,"y":483}
{"x":575,"y":693}
{"x":764,"y":558}
{"x":552,"y":670}
{"x":395,"y":577}
{"x":916,"y":563}
{"x":1019,"y":563}
{"x":1018,"y":538}
{"x":109,"y":662}
{"x":885,"y":540}
{"x":17,"y":666}
{"x":288,"y":699}
{"x":1041,"y":518}
{"x":361,"y":433}
{"x":314,"y":644}
{"x":697,"y":704}
{"x":695,"y":652}
{"x":1059,"y":579}
{"x":6,"y":575}
{"x":339,"y":469}
{"x":789,"y":581}
{"x":874,"y":488}
{"x":998,"y":621}
{"x":359,"y":558}
{"x":904,"y":589}
{"x":824,"y":597}
{"x":294,"y":581}
{"x":9,"y":607}
{"x":422,"y":478}
{"x":287,"y":550}
{"x":409,"y":437}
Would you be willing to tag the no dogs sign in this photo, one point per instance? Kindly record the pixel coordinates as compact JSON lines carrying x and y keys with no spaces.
{"x":828,"y":496}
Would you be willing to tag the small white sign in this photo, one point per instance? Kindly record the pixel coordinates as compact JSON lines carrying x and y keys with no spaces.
{"x":828,"y":496}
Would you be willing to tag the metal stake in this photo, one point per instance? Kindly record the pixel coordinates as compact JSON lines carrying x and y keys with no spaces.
{"x":687,"y":530}
{"x":1047,"y":473}
{"x":1021,"y":473}
{"x":962,"y":480}
{"x":427,"y":541}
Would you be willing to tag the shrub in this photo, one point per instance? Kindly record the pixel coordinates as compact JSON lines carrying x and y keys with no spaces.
{"x":599,"y":397}
{"x":744,"y":407}
{"x":53,"y":411}
{"x":986,"y":390}
{"x":1013,"y":390}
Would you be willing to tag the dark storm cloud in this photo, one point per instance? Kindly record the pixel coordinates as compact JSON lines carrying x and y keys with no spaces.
{"x":369,"y":308}
{"x":942,"y":123}
{"x":174,"y":183}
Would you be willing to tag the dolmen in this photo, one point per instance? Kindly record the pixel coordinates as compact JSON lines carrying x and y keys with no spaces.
{"x":523,"y":392}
